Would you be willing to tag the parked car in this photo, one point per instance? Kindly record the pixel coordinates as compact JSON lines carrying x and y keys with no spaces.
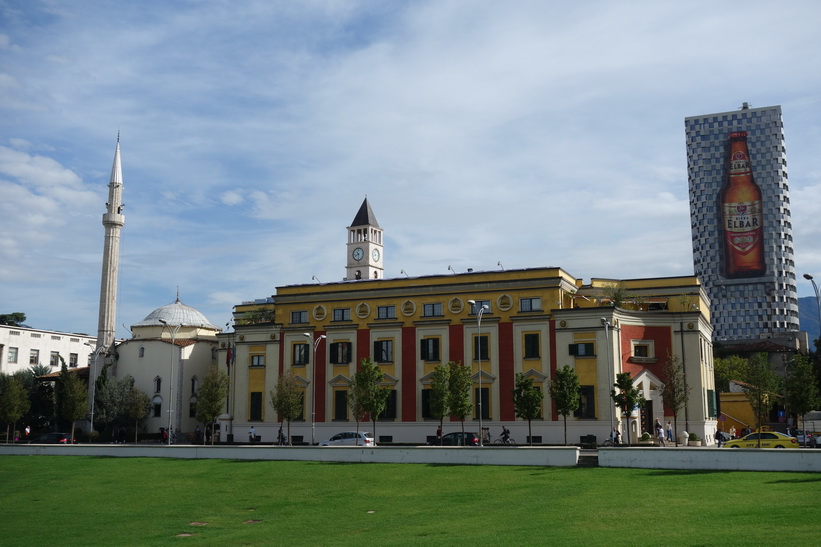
{"x":350,"y":438}
{"x":769,"y":439}
{"x":458,"y":438}
{"x":54,"y":438}
{"x":802,"y":435}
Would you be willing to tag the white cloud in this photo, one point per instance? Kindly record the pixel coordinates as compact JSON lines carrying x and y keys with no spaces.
{"x":529,"y":133}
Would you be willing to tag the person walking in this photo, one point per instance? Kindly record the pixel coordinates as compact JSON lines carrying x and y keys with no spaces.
{"x":252,"y":434}
{"x":669,"y":429}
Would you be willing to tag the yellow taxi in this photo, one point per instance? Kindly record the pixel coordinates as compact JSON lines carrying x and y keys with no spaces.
{"x":769,"y":439}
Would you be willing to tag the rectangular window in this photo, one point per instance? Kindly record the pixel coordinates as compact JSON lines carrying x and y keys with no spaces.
{"x":255,"y":407}
{"x":386,"y":312}
{"x":34,"y":357}
{"x":432,"y":310}
{"x":341,"y":404}
{"x":340,"y":353}
{"x":299,"y":317}
{"x":531,"y":345}
{"x":257,"y":360}
{"x":54,"y":359}
{"x":12,"y":358}
{"x":383,"y":351}
{"x":300,"y":355}
{"x":485,"y":403}
{"x":712,"y":411}
{"x":342,"y":314}
{"x":585,"y":349}
{"x":530,"y":304}
{"x":640,"y":350}
{"x":587,"y":403}
{"x":480,"y":348}
{"x":429,"y":349}
{"x":426,"y":403}
{"x":73,"y":358}
{"x":192,"y":409}
{"x":157,"y":410}
{"x":474,"y":308}
{"x":390,"y":407}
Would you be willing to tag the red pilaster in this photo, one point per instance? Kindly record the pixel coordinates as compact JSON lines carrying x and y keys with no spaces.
{"x":320,"y":373}
{"x":456,"y":351}
{"x":408,"y":374}
{"x":507,"y":411}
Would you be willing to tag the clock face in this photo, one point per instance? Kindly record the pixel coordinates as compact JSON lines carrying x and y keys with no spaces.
{"x":358,"y":253}
{"x":375,"y":255}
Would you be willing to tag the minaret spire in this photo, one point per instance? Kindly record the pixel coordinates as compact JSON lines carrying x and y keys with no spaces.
{"x":113,"y":221}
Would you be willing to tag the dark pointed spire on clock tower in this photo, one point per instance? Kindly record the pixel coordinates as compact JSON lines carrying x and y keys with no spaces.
{"x":364,"y":247}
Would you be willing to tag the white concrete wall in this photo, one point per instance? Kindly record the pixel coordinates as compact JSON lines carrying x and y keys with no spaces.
{"x":428,"y":454}
{"x":726,"y":459}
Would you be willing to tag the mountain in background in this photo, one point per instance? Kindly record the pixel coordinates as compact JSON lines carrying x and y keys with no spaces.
{"x":808,"y":316}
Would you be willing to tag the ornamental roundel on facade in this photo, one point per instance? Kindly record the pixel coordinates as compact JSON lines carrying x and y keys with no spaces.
{"x":690,"y":326}
{"x":273,"y":336}
{"x":455,"y":305}
{"x":563,"y":323}
{"x":408,"y":308}
{"x":241,"y":337}
{"x":363,"y":310}
{"x":504,"y":303}
{"x":320,"y":312}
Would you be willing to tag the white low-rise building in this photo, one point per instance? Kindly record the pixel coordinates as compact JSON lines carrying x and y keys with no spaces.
{"x":23,"y":347}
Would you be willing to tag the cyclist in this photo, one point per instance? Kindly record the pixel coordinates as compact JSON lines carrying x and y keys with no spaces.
{"x":505,"y":435}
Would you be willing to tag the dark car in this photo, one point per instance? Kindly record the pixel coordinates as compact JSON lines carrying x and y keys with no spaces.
{"x":460,"y":439}
{"x":54,"y":438}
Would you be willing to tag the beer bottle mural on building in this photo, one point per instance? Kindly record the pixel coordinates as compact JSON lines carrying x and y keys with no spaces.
{"x":742,"y":214}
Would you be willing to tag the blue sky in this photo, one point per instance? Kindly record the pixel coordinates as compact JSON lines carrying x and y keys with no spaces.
{"x":529,"y":133}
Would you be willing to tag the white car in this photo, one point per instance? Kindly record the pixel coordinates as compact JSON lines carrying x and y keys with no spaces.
{"x":350,"y":438}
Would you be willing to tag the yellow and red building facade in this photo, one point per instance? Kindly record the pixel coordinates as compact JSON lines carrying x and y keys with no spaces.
{"x":535,"y":321}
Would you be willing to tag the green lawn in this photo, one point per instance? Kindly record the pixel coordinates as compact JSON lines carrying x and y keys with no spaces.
{"x":70,"y":500}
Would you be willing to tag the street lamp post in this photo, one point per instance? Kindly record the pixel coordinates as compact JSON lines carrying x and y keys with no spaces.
{"x":606,"y":324}
{"x":809,"y":278}
{"x":315,"y":344}
{"x":96,"y":353}
{"x":172,"y":329}
{"x":479,"y":359}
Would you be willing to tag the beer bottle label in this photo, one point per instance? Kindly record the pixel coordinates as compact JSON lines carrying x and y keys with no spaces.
{"x":742,"y":225}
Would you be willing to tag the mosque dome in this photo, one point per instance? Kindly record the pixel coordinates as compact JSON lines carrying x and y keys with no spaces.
{"x":176,"y":313}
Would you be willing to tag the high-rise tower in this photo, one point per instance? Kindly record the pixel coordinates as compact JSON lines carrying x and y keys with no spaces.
{"x":365,"y":260}
{"x":751,"y":302}
{"x":113,"y":221}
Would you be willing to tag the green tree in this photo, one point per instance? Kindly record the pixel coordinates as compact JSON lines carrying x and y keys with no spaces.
{"x":355,"y":397}
{"x":14,"y":319}
{"x":72,"y":397}
{"x":137,"y":407}
{"x":459,"y":385}
{"x":675,"y":391}
{"x":564,"y":391}
{"x":14,"y":402}
{"x":527,"y":400}
{"x":732,"y":367}
{"x":761,"y":386}
{"x":41,"y":394}
{"x":626,"y":396}
{"x":288,"y":398}
{"x":802,"y":391}
{"x":438,"y":400}
{"x":211,"y":397}
{"x":373,"y":396}
{"x":111,"y":401}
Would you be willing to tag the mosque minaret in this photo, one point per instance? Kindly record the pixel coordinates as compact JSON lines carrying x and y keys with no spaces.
{"x":113,"y":221}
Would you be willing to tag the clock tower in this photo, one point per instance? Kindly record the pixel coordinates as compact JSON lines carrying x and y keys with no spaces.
{"x":365,"y":260}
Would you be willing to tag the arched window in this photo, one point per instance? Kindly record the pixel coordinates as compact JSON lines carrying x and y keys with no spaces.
{"x":157,"y":384}
{"x":142,"y":351}
{"x":195,"y":385}
{"x":156,"y":405}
